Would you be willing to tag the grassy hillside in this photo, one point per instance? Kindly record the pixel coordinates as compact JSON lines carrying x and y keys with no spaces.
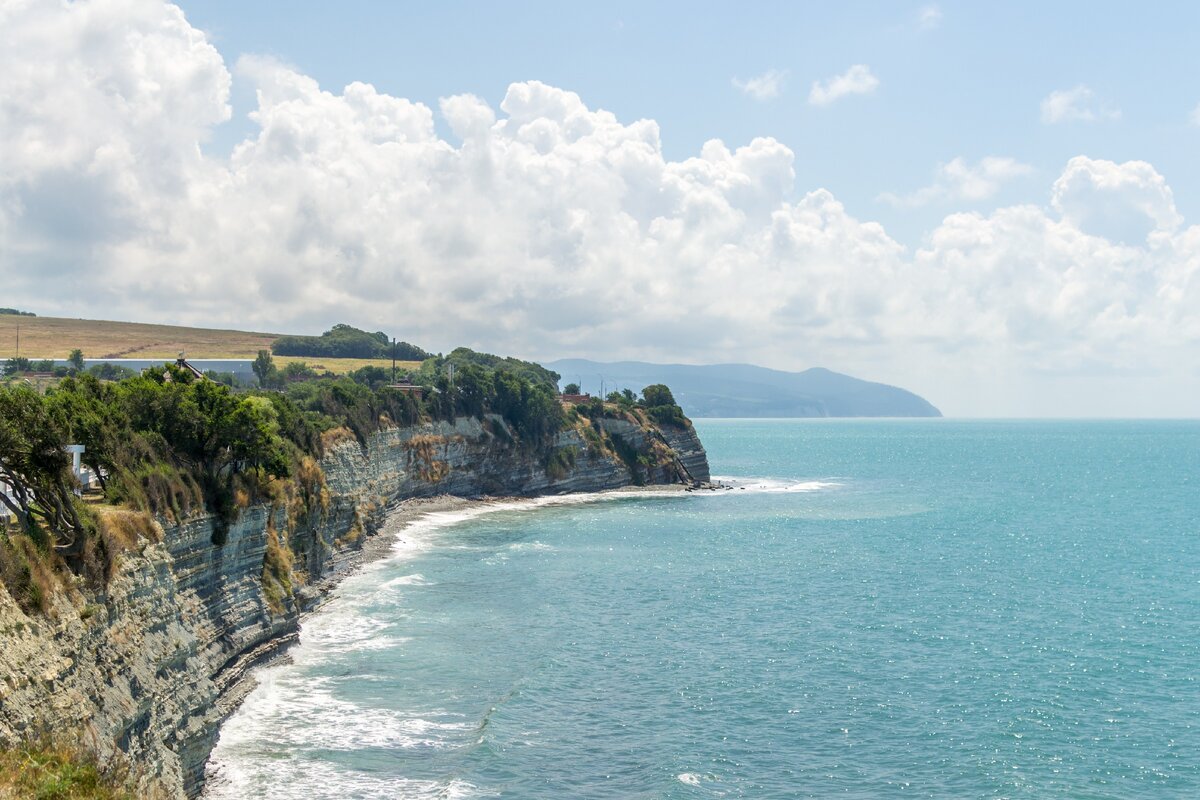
{"x":53,"y":337}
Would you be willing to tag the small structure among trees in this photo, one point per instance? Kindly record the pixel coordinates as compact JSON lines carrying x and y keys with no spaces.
{"x":571,"y":394}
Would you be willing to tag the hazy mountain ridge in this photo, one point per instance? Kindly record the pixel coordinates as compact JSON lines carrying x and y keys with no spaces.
{"x":745,"y":390}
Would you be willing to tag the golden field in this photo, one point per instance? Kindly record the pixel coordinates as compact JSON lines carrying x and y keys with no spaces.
{"x":54,"y":337}
{"x":341,"y":366}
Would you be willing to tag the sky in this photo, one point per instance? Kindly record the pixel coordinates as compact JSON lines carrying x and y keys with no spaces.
{"x":994,"y":205}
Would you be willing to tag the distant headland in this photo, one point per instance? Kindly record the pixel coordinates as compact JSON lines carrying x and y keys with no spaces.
{"x":744,"y":390}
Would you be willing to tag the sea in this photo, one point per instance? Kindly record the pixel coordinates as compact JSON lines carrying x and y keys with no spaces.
{"x":873,"y":609}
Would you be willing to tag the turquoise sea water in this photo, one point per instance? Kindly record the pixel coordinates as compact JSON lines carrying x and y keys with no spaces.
{"x":889,"y":609}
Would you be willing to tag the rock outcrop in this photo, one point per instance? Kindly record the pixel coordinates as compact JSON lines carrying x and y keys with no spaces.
{"x":147,"y":669}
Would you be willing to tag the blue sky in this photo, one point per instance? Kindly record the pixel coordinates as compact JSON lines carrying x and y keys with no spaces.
{"x":956,"y":79}
{"x":995,"y":205}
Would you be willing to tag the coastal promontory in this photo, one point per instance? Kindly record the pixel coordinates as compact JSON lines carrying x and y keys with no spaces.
{"x":135,"y":603}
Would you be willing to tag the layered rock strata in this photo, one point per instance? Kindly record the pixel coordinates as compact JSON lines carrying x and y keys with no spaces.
{"x":147,"y":669}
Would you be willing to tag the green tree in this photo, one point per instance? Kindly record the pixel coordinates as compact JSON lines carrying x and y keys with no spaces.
{"x":571,"y":388}
{"x":76,"y":360}
{"x":657,"y":394}
{"x":94,"y":418}
{"x":298,"y":371}
{"x":16,"y":364}
{"x":372,"y":376}
{"x":38,"y":470}
{"x":264,"y":368}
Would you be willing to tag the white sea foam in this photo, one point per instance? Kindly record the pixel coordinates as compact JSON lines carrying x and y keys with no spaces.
{"x":343,"y":631}
{"x":322,"y":780}
{"x":531,"y":547}
{"x":690,"y":778}
{"x":289,"y":709}
{"x":416,"y":534}
{"x":295,"y":714}
{"x":416,"y":579}
{"x":773,"y":485}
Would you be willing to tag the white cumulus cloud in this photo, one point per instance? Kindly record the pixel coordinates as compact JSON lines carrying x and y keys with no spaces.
{"x":929,"y":17}
{"x":1079,"y":104}
{"x":545,"y":227}
{"x":856,"y":80}
{"x":1123,"y":202}
{"x":960,"y":181}
{"x":766,"y":86}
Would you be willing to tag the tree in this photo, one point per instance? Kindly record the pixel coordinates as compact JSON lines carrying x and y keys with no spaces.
{"x":372,"y":376}
{"x":298,"y":371}
{"x":76,"y":360}
{"x":660,"y":405}
{"x":16,"y":364}
{"x":346,"y":341}
{"x":264,"y":368}
{"x":657,"y":394}
{"x":571,"y":388}
{"x":37,"y":469}
{"x":93,"y":418}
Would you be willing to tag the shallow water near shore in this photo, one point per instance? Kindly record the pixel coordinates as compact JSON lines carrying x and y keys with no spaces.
{"x":880,"y":608}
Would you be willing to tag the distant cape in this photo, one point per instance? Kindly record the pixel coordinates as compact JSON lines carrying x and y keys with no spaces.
{"x":744,"y":390}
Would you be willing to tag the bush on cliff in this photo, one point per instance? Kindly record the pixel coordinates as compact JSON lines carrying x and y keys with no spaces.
{"x":661,"y":407}
{"x":462,"y":357}
{"x":524,"y":393}
{"x":335,"y":402}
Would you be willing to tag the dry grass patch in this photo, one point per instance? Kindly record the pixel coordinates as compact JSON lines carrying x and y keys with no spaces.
{"x":28,"y":573}
{"x":124,"y":528}
{"x":54,"y":337}
{"x":335,"y":436}
{"x":341,"y":366}
{"x":277,"y":574}
{"x":56,"y":771}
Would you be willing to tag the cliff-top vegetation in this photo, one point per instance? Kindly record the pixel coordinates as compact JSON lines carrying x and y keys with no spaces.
{"x":166,"y":443}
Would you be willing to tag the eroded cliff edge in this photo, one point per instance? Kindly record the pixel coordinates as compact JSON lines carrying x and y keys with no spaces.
{"x":147,"y":670}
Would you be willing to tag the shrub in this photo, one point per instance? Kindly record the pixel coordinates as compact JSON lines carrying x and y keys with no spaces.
{"x":668,"y":415}
{"x":561,"y":462}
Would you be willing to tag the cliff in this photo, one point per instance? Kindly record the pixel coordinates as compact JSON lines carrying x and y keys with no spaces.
{"x":146,"y":669}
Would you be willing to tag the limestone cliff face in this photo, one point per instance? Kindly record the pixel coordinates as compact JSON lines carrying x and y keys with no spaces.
{"x":148,"y":669}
